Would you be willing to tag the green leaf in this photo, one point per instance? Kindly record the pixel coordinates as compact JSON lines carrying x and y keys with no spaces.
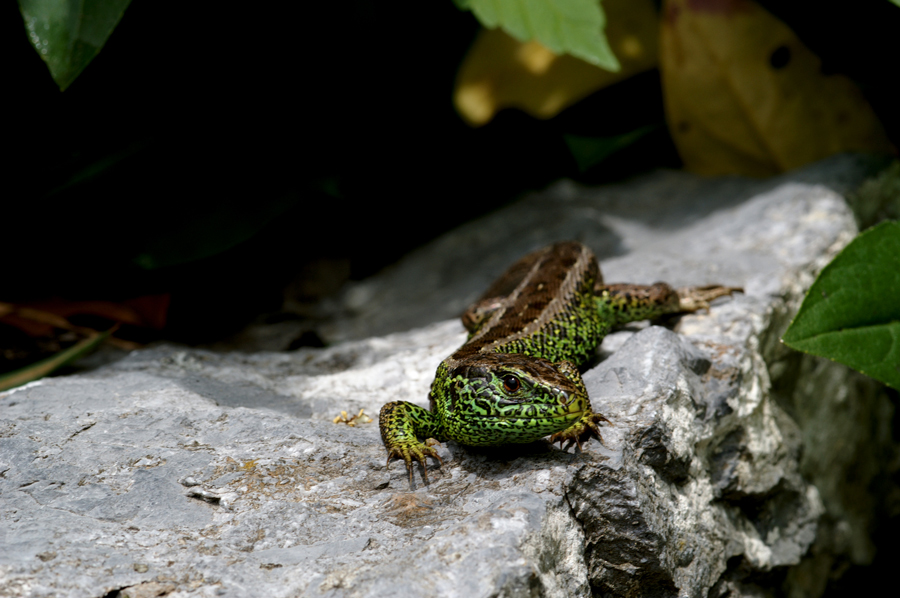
{"x":67,"y":34}
{"x":45,"y":366}
{"x":897,"y":2}
{"x":563,"y":26}
{"x":590,"y":151}
{"x":851,"y":314}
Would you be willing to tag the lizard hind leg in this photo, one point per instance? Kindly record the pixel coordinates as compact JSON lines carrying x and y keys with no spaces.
{"x":623,"y":303}
{"x":691,"y":299}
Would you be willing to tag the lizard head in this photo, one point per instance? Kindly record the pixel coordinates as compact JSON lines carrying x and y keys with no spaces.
{"x":498,"y":399}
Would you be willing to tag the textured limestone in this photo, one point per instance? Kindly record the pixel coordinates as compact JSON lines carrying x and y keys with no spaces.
{"x":204,"y":474}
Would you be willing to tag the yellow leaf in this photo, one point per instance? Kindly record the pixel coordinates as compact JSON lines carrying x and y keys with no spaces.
{"x":500,"y":72}
{"x":743,"y":95}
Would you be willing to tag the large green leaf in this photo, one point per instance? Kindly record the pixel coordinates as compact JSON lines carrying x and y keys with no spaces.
{"x":564,"y":26}
{"x":852,"y":312}
{"x":67,"y":34}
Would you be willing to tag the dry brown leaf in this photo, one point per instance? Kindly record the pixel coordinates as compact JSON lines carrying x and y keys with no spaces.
{"x":44,"y":318}
{"x":153,"y":310}
{"x":146,"y":311}
{"x":743,"y":95}
{"x":501,"y":72}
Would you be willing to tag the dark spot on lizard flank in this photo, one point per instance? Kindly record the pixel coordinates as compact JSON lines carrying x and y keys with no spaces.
{"x":538,"y":304}
{"x":568,"y":261}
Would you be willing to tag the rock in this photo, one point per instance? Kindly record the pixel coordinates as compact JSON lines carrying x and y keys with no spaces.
{"x":186,"y":472}
{"x":657,"y":227}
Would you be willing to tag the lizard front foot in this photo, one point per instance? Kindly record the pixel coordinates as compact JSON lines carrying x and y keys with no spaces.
{"x":584,"y":429}
{"x":417,"y":451}
{"x":402,"y":424}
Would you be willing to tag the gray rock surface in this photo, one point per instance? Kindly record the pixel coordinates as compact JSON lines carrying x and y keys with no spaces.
{"x":191,"y":473}
{"x":657,"y":227}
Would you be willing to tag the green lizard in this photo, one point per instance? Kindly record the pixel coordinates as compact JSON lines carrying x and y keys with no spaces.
{"x":516,"y":378}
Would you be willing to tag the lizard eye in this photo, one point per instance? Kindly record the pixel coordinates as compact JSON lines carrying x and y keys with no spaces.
{"x":511,"y":383}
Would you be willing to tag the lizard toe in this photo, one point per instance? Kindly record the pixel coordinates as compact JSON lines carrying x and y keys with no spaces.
{"x":586,"y":428}
{"x":408,"y":454}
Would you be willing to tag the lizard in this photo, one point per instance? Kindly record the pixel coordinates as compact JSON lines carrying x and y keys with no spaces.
{"x":516,"y":379}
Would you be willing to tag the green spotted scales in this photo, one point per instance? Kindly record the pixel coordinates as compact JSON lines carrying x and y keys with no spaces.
{"x":516,"y":378}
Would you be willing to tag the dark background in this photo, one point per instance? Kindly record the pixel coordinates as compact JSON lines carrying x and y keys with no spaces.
{"x":260,"y":140}
{"x":228,"y":147}
{"x":338,"y":119}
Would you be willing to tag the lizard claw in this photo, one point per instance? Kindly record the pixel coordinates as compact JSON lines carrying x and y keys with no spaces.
{"x":415,"y":452}
{"x":584,"y":429}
